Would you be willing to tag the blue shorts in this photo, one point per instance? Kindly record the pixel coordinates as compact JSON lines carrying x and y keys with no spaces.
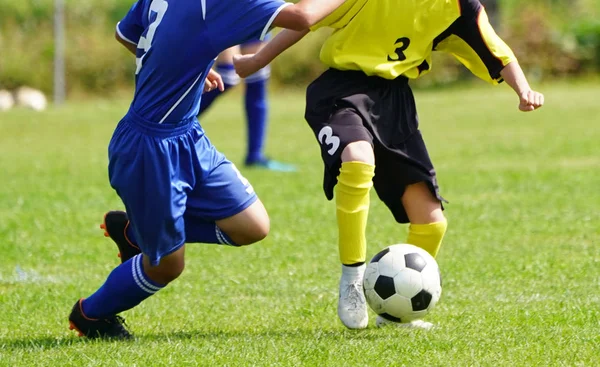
{"x":163,"y":171}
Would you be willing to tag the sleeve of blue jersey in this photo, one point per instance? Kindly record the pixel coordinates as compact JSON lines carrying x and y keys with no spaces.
{"x":131,"y":27}
{"x":261,"y":14}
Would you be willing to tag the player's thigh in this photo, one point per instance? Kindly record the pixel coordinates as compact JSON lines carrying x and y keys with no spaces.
{"x":139,"y":165}
{"x":405,"y":181}
{"x":421,"y":204}
{"x":344,"y":138}
{"x":248,"y":226}
{"x":226,"y":197}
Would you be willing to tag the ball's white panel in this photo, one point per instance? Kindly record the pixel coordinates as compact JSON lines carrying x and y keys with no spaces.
{"x":374,"y":301}
{"x":408,"y":282}
{"x":431,"y":280}
{"x":391,"y":264}
{"x":397,"y":306}
{"x":371,"y":275}
{"x":401,"y":248}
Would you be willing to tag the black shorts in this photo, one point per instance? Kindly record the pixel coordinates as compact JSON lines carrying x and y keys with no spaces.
{"x":343,"y":107}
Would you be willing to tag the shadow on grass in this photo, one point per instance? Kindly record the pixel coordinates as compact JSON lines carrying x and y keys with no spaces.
{"x":49,"y":342}
{"x":41,"y":343}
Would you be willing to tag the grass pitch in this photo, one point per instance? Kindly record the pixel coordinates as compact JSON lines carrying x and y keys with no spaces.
{"x":521,"y":261}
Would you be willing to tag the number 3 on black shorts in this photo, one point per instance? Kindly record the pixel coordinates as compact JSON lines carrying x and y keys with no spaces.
{"x":326,"y":138}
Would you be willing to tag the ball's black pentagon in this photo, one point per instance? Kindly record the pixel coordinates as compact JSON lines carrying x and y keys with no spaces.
{"x":384,"y":286}
{"x":390,"y":317}
{"x":378,"y":257}
{"x":415,"y":261}
{"x":421,"y":301}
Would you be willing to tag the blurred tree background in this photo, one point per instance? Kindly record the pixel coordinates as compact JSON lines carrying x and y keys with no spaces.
{"x":552,"y":38}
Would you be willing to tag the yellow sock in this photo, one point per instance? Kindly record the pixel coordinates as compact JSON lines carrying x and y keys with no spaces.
{"x":352,"y":203}
{"x":427,"y":236}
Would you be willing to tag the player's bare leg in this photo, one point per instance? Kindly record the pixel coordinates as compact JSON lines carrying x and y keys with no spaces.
{"x":352,"y":203}
{"x":247,"y":227}
{"x":257,"y":109}
{"x":427,"y":228}
{"x":169,"y":268}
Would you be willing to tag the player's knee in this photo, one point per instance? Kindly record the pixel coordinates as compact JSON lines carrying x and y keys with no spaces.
{"x":255,"y":234}
{"x":359,"y":151}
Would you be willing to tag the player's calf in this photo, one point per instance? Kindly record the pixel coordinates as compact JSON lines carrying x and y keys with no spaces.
{"x":169,"y":268}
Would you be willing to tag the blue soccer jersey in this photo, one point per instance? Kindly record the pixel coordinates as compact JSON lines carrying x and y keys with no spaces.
{"x":173,"y":182}
{"x":177,"y":42}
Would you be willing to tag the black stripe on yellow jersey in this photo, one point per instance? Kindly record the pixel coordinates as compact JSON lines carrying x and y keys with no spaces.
{"x":389,"y":38}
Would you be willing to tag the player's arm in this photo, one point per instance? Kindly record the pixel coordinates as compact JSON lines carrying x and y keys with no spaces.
{"x":246,"y":65}
{"x":213,"y":81}
{"x":529,"y":99}
{"x":132,"y":47}
{"x":305,"y":13}
{"x":473,"y":41}
{"x":129,"y":30}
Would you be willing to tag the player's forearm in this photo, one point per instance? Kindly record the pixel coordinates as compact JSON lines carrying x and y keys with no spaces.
{"x":513,"y":75}
{"x":282,"y":41}
{"x":305,"y":13}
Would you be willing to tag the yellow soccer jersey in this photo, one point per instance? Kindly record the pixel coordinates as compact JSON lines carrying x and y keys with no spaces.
{"x":389,"y":38}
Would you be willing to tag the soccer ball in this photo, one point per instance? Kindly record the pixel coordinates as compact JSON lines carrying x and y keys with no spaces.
{"x":402,"y":283}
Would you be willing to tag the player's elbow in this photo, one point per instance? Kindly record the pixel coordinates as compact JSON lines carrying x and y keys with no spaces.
{"x":120,"y":39}
{"x":296,"y":18}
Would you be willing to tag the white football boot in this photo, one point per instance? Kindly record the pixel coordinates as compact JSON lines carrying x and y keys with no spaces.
{"x":352,"y":305}
{"x":415,"y":324}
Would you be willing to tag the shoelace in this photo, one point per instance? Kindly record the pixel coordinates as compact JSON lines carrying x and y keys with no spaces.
{"x":353,"y":295}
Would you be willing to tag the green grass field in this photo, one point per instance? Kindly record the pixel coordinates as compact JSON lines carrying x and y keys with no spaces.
{"x":521,"y":261}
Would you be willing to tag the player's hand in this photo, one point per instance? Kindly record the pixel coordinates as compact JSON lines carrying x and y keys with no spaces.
{"x":530,"y":101}
{"x":213,"y":80}
{"x":246,"y":65}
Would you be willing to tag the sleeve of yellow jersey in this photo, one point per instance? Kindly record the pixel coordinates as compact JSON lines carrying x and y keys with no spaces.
{"x":477,"y":46}
{"x":340,"y":16}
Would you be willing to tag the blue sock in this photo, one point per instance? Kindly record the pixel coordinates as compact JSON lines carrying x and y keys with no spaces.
{"x":126,"y":286}
{"x":230,"y":79}
{"x":196,"y":231}
{"x":256,"y":117}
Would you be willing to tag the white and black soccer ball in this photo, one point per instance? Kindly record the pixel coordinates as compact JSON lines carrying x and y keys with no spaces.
{"x":402,"y":283}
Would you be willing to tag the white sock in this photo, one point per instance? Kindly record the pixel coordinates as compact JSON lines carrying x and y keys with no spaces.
{"x":354,"y":272}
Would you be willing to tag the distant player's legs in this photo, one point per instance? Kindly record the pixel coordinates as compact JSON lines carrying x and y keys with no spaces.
{"x":257,"y":106}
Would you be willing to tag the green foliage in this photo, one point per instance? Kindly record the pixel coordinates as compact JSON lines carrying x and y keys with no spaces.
{"x":520,"y":259}
{"x":95,"y":62}
{"x":551,"y":38}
